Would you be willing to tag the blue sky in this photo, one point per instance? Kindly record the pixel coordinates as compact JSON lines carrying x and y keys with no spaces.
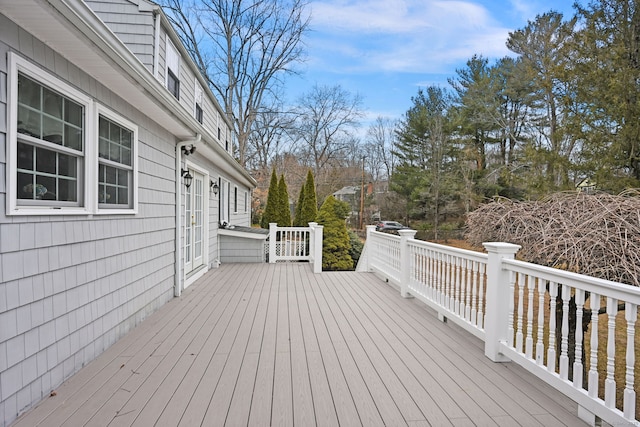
{"x":385,"y":50}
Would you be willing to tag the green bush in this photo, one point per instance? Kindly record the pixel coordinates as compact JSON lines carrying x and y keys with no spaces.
{"x":335,"y":241}
{"x":270,"y":211}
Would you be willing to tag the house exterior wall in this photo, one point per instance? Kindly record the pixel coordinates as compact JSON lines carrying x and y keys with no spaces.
{"x":133,"y":24}
{"x":73,"y":284}
{"x":70,"y":286}
{"x":242,"y":250}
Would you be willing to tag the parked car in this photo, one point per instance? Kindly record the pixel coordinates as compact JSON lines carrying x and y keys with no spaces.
{"x":390,"y":226}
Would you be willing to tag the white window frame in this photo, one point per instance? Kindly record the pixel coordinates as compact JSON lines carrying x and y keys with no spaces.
{"x":198,"y":100}
{"x":17,"y":65}
{"x":88,"y":174}
{"x":235,"y":199}
{"x":116,"y":118}
{"x":172,"y":62}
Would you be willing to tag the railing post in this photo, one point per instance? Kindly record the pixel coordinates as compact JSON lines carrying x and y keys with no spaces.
{"x":317,"y":248}
{"x":369,"y":249}
{"x":272,"y":242}
{"x":405,"y":261}
{"x":497,"y":298}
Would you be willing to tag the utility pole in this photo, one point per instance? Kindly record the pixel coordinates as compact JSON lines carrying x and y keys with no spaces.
{"x":362,"y":197}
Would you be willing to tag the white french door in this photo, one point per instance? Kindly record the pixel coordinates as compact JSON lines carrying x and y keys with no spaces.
{"x":194,"y":224}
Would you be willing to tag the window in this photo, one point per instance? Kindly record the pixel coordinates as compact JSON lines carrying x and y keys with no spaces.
{"x":198,"y":102}
{"x":218,"y":134}
{"x":246,"y":198}
{"x":115,"y":165}
{"x":173,"y":69}
{"x":65,"y":153}
{"x":47,"y":127}
{"x":235,"y":199}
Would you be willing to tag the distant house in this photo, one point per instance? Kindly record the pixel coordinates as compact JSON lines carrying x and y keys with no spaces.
{"x":116,"y":173}
{"x":586,"y":186}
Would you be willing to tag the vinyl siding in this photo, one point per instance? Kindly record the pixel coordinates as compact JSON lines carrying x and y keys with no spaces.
{"x":70,"y":286}
{"x":133,"y":26}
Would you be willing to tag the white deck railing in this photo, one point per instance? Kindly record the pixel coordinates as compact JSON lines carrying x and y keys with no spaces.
{"x":296,"y":244}
{"x":517,"y":307}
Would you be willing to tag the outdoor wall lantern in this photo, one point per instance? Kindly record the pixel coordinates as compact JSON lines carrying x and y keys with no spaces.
{"x":214,"y":187}
{"x":187,"y":177}
{"x":186,"y":151}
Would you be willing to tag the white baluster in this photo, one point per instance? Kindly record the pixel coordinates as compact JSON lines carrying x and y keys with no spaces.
{"x":551,"y":351}
{"x":474,"y":292}
{"x":577,"y":362}
{"x":468,"y":278}
{"x":529,"y":340}
{"x":482,"y":273}
{"x":610,"y":382}
{"x":564,"y":343}
{"x":593,"y":360}
{"x":541,"y":310}
{"x":512,"y":287}
{"x":629,"y":396}
{"x":520,"y":322}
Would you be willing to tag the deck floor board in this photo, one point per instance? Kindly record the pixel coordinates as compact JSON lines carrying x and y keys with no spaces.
{"x":275,"y":344}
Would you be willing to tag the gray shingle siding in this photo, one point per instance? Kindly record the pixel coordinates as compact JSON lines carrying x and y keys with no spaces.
{"x":70,"y":286}
{"x":133,"y":26}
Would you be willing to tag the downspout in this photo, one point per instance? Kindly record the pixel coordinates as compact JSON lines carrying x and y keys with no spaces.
{"x":156,"y":42}
{"x":177,"y":288}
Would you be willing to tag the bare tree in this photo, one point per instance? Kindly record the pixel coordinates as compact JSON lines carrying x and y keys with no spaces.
{"x":269,"y":137}
{"x":326,"y":118}
{"x":244,"y":49}
{"x":380,"y":139}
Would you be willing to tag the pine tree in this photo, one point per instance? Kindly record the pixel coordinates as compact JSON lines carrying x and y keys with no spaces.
{"x":272,"y":202}
{"x":297,"y":217}
{"x":335,"y":241}
{"x":284,"y":212}
{"x":307,"y":209}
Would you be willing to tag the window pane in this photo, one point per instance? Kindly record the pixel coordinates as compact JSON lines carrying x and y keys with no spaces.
{"x":103,"y":148}
{"x":123,"y":177}
{"x":103,"y":128}
{"x":28,"y":92}
{"x":67,"y":166}
{"x":125,"y":137}
{"x":73,"y":137}
{"x":126,"y":156}
{"x":67,"y":190}
{"x":25,"y":186}
{"x":45,"y":162}
{"x":46,"y":188}
{"x":52,"y":130}
{"x":52,"y":103}
{"x":114,"y":152}
{"x":115,"y":142}
{"x":111,"y":194}
{"x":29,"y":121}
{"x":123,"y":196}
{"x":25,"y":156}
{"x":73,"y":113}
{"x":110,"y":175}
{"x":46,"y":175}
{"x":114,"y":185}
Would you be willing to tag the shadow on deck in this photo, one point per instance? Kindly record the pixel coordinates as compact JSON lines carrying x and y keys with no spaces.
{"x":275,"y":344}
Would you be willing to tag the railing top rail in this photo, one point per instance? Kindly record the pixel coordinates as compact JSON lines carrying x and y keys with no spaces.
{"x":604,"y":287}
{"x":293,"y":228}
{"x":380,"y":234}
{"x":450,"y":250}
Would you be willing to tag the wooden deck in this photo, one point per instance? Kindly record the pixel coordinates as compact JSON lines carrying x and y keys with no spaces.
{"x":274,"y":344}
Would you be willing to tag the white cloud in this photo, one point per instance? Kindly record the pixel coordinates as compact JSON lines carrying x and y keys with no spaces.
{"x":402,"y":35}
